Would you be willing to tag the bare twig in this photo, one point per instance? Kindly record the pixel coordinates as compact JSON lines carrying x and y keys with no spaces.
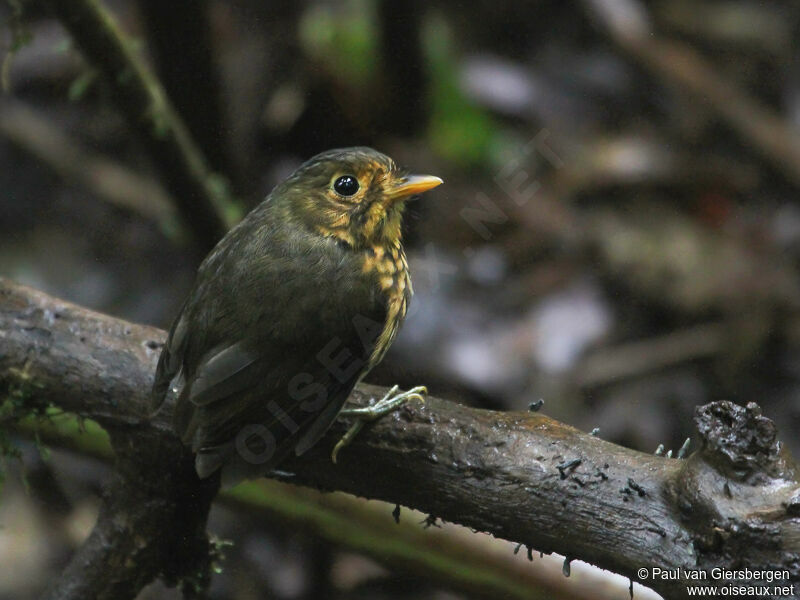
{"x":637,"y":358}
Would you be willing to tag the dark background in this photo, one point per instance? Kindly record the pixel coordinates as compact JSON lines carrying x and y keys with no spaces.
{"x":637,"y":165}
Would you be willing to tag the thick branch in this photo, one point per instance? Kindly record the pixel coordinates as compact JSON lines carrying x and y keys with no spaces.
{"x":202,"y":199}
{"x":446,"y":555}
{"x":512,"y":474}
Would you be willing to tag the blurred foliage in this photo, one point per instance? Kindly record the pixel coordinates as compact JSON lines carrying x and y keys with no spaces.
{"x":20,"y":36}
{"x":344,"y":37}
{"x":459,"y":130}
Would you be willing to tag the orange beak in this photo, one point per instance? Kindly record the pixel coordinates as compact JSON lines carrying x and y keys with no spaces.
{"x":411,"y":185}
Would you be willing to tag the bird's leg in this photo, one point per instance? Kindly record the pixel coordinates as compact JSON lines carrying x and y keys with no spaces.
{"x":385,"y":405}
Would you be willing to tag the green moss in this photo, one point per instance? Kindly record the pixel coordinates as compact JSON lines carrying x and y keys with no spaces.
{"x":81,"y":84}
{"x":76,"y":433}
{"x":17,"y":401}
{"x":53,"y":425}
{"x":20,"y":37}
{"x":217,"y":552}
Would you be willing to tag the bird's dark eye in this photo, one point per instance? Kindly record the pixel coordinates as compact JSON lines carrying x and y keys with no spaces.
{"x":346,"y":185}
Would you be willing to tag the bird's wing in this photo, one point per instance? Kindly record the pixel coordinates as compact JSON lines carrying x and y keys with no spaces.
{"x":248,"y":343}
{"x":320,"y":424}
{"x":247,"y":408}
{"x":171,"y":359}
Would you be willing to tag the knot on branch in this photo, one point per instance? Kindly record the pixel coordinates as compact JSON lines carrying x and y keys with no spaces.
{"x":736,"y":493}
{"x":738,"y":439}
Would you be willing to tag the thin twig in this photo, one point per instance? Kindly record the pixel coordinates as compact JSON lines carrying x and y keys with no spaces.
{"x":35,"y":134}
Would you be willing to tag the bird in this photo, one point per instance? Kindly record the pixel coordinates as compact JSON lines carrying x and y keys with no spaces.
{"x":288,"y":312}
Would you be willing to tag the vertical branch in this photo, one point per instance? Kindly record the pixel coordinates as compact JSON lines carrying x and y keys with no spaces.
{"x":402,"y":63}
{"x":151,"y":524}
{"x":202,"y":200}
{"x":180,"y":40}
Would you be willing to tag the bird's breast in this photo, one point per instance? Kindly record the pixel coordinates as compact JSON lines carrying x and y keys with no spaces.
{"x":389,"y":268}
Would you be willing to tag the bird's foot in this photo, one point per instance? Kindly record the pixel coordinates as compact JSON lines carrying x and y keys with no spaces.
{"x":385,"y":405}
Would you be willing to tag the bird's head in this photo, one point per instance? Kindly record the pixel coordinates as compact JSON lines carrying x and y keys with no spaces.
{"x":355,"y":195}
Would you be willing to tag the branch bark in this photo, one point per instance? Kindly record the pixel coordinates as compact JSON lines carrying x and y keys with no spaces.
{"x":450,"y":556}
{"x":519,"y":476}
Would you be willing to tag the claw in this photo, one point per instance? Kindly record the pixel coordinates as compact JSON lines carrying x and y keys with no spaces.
{"x":385,"y":405}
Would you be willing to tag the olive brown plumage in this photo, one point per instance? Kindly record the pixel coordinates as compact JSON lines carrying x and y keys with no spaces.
{"x":289,"y":311}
